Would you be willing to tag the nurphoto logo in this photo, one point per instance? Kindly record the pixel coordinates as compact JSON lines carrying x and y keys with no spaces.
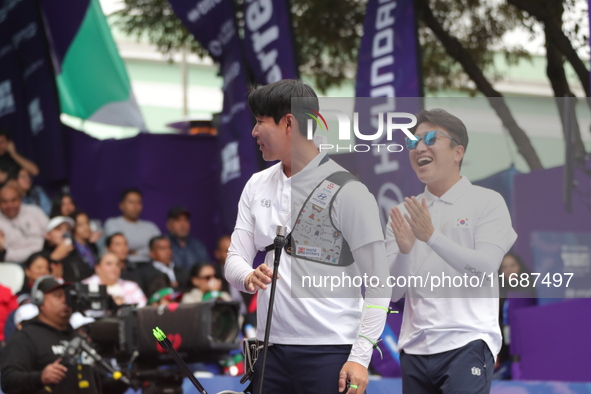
{"x":387,"y":123}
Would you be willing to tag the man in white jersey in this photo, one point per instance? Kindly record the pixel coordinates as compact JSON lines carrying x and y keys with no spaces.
{"x":321,"y":344}
{"x":450,"y":332}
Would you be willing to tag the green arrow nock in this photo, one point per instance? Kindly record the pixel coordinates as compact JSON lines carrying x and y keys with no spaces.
{"x":160,"y":336}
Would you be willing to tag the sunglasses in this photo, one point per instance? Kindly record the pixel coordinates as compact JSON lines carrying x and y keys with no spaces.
{"x":208,"y":277}
{"x":429,"y":138}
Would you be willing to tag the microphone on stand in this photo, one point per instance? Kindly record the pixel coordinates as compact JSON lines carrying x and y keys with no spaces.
{"x":278,"y":242}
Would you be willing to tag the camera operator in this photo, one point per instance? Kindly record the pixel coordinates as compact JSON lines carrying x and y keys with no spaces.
{"x":34,"y":357}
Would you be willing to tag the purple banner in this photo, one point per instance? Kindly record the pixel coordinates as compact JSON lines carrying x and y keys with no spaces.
{"x":268,"y":41}
{"x":213,"y":24}
{"x":552,"y":342}
{"x":157,"y":165}
{"x":388,"y":68}
{"x":29,"y":106}
{"x":546,"y":211}
{"x":63,"y":34}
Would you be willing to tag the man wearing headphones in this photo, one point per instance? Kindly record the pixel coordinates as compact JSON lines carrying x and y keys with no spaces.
{"x":33,"y":356}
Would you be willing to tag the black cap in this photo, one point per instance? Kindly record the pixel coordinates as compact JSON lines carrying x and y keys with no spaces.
{"x":177,"y":211}
{"x":48,"y":285}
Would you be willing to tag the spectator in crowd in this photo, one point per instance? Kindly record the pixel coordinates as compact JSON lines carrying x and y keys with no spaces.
{"x":33,"y":356}
{"x":512,"y":266}
{"x":62,"y":205}
{"x":245,"y":299}
{"x":8,"y":304}
{"x":36,"y":266}
{"x":24,"y":313}
{"x":117,"y":244}
{"x":22,"y":227}
{"x":163,"y":296}
{"x":18,"y":318}
{"x":186,"y":250}
{"x":30,"y":194}
{"x":85,"y":239}
{"x":162,"y":263}
{"x":56,"y":269}
{"x":108,"y":272}
{"x":137,"y":232}
{"x":80,"y":323}
{"x":59,"y":245}
{"x":204,"y":284}
{"x":11,"y":161}
{"x":221,"y":251}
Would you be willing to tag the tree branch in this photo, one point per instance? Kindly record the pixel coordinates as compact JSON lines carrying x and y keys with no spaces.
{"x":557,"y":77}
{"x":455,"y":49}
{"x":542,"y":11}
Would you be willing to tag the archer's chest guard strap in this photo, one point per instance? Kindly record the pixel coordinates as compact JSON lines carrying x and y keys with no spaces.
{"x":314,"y":236}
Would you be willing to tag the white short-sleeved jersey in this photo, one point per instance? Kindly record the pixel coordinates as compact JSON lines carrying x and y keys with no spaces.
{"x":270,"y":199}
{"x":433,"y":322}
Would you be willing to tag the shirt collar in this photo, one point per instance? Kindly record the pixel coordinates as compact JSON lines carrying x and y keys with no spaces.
{"x":318,"y":160}
{"x":160,"y":266}
{"x":452,"y":195}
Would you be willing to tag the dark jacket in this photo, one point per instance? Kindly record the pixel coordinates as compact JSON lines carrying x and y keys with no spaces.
{"x":28,"y":351}
{"x":135,"y":273}
{"x":154,"y":276}
{"x":75,"y":269}
{"x":187,"y":256}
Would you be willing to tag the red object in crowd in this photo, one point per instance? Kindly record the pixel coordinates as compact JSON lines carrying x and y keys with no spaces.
{"x":8,"y":303}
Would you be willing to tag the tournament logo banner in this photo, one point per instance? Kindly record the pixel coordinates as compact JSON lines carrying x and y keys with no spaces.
{"x":387,"y":71}
{"x":268,"y":40}
{"x":213,"y":24}
{"x":29,"y":107}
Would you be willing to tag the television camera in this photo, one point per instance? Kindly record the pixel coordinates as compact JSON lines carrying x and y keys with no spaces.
{"x":200,"y":332}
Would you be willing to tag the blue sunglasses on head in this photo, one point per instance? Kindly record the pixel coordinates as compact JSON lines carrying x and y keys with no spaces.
{"x":429,"y":138}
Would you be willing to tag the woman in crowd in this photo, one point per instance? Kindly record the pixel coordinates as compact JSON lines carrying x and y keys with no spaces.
{"x":84,"y":239}
{"x":62,"y":205}
{"x":511,"y":268}
{"x":32,"y":194}
{"x":204,"y":285}
{"x":108,"y":272}
{"x":36,"y":266}
{"x":117,"y":244}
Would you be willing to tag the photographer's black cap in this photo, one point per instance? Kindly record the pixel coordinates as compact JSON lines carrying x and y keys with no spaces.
{"x":50,"y":284}
{"x":177,"y":211}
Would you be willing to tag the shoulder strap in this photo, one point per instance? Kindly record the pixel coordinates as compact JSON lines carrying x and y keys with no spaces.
{"x":339,"y":178}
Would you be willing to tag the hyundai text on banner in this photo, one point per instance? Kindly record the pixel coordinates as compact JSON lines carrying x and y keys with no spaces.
{"x":387,"y":68}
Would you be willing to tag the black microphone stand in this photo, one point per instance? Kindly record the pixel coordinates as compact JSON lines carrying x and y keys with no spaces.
{"x":279,"y":242}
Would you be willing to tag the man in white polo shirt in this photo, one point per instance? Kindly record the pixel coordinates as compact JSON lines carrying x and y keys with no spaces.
{"x":454,"y":237}
{"x":319,"y":343}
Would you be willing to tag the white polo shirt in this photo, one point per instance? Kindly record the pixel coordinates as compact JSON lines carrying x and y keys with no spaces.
{"x":433,"y":321}
{"x":269,"y":200}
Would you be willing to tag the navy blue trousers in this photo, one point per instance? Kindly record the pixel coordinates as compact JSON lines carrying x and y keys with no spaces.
{"x":302,"y":369}
{"x":467,"y":370}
